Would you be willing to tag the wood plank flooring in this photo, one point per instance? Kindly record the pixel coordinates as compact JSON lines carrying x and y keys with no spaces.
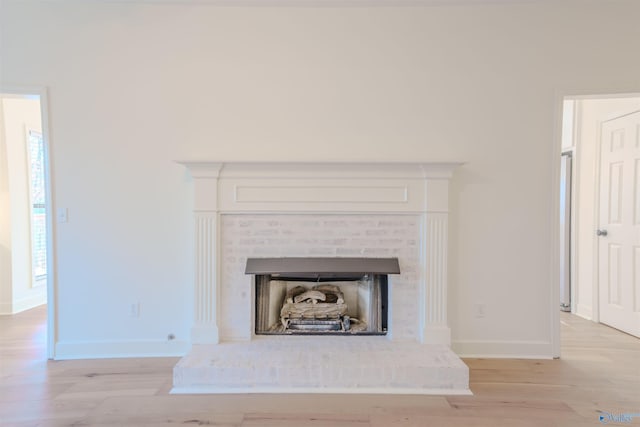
{"x":599,"y":371}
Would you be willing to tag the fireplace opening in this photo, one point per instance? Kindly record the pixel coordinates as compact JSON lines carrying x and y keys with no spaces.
{"x":321,"y":296}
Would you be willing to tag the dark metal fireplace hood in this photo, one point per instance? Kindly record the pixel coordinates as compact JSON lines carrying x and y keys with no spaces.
{"x":322,"y":267}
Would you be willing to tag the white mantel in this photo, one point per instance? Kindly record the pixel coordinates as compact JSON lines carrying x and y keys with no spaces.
{"x":330,"y":188}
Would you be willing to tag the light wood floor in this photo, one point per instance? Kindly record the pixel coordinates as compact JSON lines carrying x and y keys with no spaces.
{"x":599,"y":371}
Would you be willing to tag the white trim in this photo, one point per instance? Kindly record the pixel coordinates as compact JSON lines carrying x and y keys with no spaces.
{"x":41,"y":92}
{"x":573,"y":253}
{"x":206,"y":304}
{"x":575,"y":216}
{"x":6,"y":308}
{"x":52,"y":297}
{"x":29,"y":302}
{"x":317,"y":3}
{"x":586,"y":94}
{"x":211,"y":389}
{"x":584,"y":311}
{"x":71,"y":350}
{"x":23,"y":304}
{"x":554,"y":252}
{"x":504,"y":349}
{"x":326,"y":170}
{"x":319,"y":195}
{"x":595,"y":263}
{"x":434,"y":328}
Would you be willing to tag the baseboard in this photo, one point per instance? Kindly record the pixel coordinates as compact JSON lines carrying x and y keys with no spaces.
{"x":69,"y":350}
{"x":503,"y":349}
{"x":212,"y":389}
{"x":6,"y":308}
{"x":584,"y":311}
{"x":23,"y":304}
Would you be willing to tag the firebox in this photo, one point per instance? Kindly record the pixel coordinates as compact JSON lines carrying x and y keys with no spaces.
{"x":321,"y":296}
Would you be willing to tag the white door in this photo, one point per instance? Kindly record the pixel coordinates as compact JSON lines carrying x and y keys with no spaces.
{"x":619,"y":241}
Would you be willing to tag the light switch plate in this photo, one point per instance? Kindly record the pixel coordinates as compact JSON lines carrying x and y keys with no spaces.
{"x":63,"y":215}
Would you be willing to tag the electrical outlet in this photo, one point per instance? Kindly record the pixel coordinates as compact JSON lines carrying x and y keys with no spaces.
{"x":134,"y":309}
{"x":479,"y":310}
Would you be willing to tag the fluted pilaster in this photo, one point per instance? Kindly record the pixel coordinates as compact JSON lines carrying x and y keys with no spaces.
{"x":205,"y":328}
{"x":435,"y":327}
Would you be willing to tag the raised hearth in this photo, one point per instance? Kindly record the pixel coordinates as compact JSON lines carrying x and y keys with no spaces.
{"x":332,"y":211}
{"x":306,"y":364}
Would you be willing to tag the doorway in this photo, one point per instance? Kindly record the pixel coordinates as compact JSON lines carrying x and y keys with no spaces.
{"x":601,"y":201}
{"x":26,"y":259}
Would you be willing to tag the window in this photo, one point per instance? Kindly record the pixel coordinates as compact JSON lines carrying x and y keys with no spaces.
{"x":38,"y":212}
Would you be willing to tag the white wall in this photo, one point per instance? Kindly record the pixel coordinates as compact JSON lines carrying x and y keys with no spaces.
{"x":134,"y":86}
{"x":590,"y":113}
{"x":17,"y":292}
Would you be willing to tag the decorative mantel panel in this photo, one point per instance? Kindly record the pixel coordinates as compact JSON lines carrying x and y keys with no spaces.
{"x":322,"y":188}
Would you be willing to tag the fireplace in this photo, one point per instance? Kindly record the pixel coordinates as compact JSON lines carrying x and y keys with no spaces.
{"x":277,"y":295}
{"x":321,"y":296}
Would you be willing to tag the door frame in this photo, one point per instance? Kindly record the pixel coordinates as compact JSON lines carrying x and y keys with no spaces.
{"x":42,"y":93}
{"x":560,"y":97}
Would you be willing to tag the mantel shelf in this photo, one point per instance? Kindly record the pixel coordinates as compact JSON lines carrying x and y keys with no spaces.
{"x":222,"y":169}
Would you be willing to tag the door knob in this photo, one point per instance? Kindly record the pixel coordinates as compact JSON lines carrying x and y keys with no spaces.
{"x":601,"y":232}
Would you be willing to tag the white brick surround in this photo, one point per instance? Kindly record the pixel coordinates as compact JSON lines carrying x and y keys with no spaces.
{"x":320,"y":209}
{"x":277,"y":235}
